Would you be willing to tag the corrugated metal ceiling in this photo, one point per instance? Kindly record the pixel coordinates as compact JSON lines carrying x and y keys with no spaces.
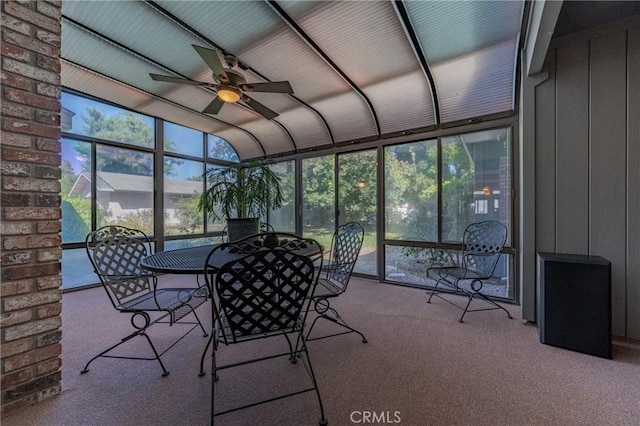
{"x":360,"y":70}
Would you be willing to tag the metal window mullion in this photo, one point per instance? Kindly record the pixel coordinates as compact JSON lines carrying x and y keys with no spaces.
{"x":336,"y":190}
{"x":158,"y":186}
{"x":440,"y":184}
{"x":380,"y":214}
{"x":94,"y":186}
{"x":297,"y":191}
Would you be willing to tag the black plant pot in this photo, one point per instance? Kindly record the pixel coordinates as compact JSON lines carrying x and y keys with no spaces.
{"x":239,"y":228}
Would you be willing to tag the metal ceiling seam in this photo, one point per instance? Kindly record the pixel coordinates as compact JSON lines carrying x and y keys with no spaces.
{"x":122,"y":83}
{"x":156,"y":64}
{"x":193,"y":31}
{"x":293,"y":141}
{"x":314,"y":46}
{"x":405,"y":20}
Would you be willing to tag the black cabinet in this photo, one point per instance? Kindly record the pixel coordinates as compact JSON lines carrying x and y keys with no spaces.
{"x":574,"y":302}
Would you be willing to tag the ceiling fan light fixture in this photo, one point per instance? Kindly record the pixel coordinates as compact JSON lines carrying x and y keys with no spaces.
{"x":229,"y":94}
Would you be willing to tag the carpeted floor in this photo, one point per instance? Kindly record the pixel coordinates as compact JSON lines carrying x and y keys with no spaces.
{"x":420,"y":367}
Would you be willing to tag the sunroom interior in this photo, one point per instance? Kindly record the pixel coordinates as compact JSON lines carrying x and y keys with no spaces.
{"x":409,"y":117}
{"x":414,"y":118}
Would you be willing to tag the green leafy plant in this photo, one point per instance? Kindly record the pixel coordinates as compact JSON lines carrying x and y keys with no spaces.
{"x":246,"y":189}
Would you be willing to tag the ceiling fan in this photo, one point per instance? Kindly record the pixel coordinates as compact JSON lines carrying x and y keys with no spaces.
{"x":229,"y":85}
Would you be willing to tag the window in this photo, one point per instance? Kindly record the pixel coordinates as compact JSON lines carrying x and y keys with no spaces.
{"x":124,"y":188}
{"x":83,"y":116}
{"x":116,"y":188}
{"x":284,"y":219}
{"x":357,"y":201}
{"x":476,"y":180}
{"x":75,"y":187}
{"x":411,"y":191}
{"x":183,"y":140}
{"x":219,"y":149}
{"x":183,"y":184}
{"x":318,"y":198}
{"x":433,"y":190}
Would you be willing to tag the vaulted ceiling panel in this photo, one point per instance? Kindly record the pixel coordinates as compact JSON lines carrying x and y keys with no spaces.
{"x":142,"y":30}
{"x":85,"y":81}
{"x":359,"y":69}
{"x":367,"y":42}
{"x":273,"y":138}
{"x":471,"y":48}
{"x":306,"y":128}
{"x":403,"y":103}
{"x":245,"y":146}
{"x":279,"y":54}
{"x":477,"y":84}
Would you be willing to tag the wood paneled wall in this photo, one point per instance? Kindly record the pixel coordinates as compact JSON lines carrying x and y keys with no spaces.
{"x":588,"y":157}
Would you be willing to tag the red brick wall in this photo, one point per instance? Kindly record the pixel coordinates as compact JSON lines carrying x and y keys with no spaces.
{"x":30,"y":203}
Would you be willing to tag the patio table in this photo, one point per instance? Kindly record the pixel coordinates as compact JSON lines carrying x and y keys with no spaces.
{"x":188,"y":260}
{"x":191,"y":260}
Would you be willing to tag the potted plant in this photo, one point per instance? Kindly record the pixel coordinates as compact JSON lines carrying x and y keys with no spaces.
{"x":242,"y":193}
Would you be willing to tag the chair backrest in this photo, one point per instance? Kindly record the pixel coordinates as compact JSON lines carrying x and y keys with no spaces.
{"x":263,"y":293}
{"x":115,"y":253}
{"x":482,"y":245}
{"x":345,"y":248}
{"x":225,"y":252}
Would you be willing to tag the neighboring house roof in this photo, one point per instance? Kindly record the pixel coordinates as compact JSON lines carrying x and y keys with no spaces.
{"x":112,"y":182}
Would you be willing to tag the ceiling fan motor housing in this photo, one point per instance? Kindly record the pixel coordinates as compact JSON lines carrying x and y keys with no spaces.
{"x":235,"y":78}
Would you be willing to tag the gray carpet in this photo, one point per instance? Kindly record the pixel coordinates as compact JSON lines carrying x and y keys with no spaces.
{"x":420,"y":367}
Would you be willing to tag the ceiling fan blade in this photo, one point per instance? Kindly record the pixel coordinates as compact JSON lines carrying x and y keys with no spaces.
{"x":210,"y":57}
{"x":259,"y":108}
{"x":272,"y":86}
{"x":214,"y":107}
{"x":158,"y":77}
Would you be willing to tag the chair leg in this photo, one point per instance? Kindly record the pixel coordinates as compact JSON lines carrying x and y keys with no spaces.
{"x":433,"y":290}
{"x":153,"y":348}
{"x":490,"y":301}
{"x":213,"y":384}
{"x":466,"y":308}
{"x":214,"y":379}
{"x":140,"y":332}
{"x":323,"y":420}
{"x":476,"y":287}
{"x":325,"y":311}
{"x":204,"y":353}
{"x":204,"y":332}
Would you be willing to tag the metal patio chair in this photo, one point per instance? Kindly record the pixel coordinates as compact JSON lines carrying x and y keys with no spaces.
{"x":482,"y":245}
{"x":335,"y":275}
{"x":229,"y":251}
{"x":115,"y":253}
{"x":263,"y":293}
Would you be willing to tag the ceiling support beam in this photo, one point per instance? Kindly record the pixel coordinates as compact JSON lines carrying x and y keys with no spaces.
{"x":415,"y":44}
